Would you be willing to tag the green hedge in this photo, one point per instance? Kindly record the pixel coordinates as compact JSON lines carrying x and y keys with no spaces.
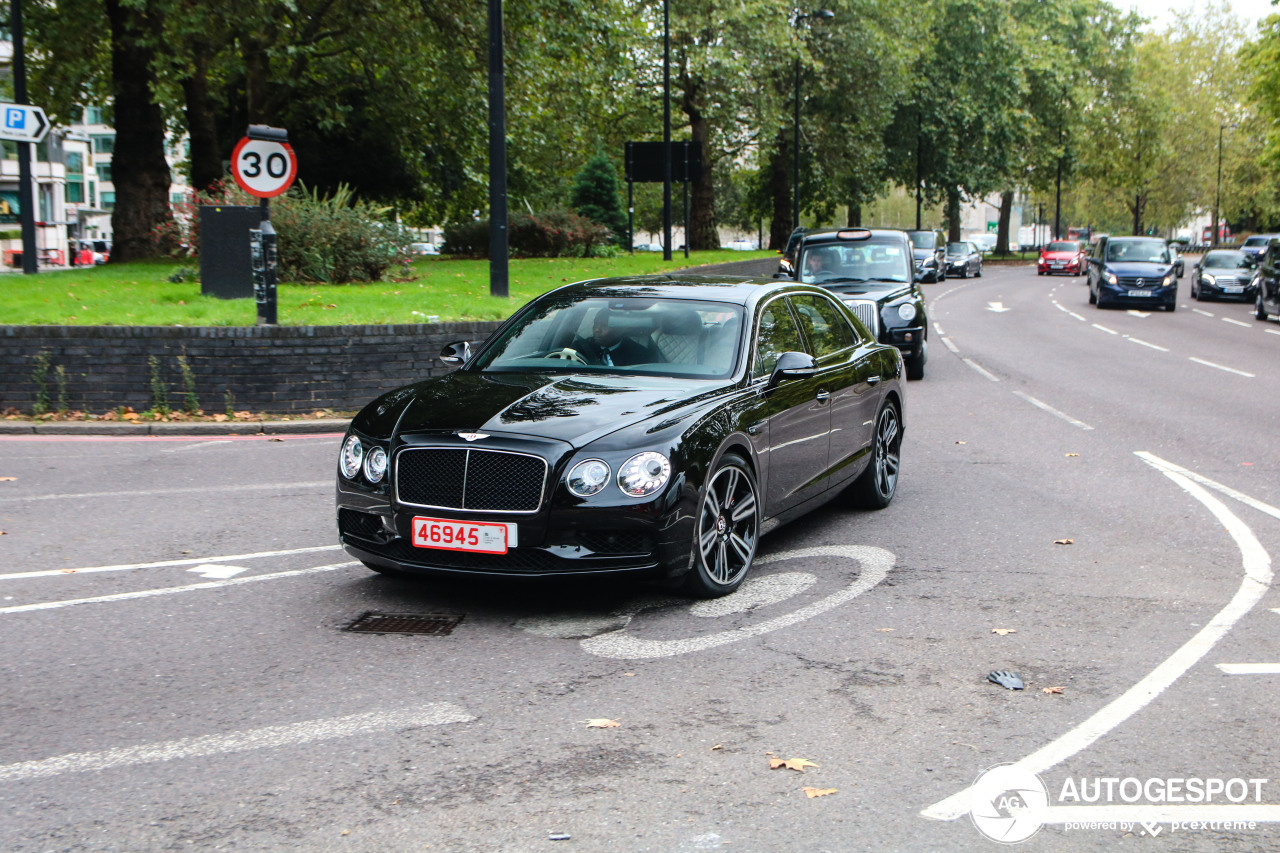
{"x":556,"y":234}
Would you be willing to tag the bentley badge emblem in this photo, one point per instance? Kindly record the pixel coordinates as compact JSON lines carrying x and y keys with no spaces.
{"x":473,"y":436}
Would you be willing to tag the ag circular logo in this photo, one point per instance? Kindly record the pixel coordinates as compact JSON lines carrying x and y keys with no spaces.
{"x":1007,"y":803}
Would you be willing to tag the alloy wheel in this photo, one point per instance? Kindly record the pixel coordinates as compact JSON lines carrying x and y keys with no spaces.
{"x":728,"y":526}
{"x":888,"y":449}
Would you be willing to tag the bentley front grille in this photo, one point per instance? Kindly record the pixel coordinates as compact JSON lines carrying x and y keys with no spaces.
{"x":467,"y":478}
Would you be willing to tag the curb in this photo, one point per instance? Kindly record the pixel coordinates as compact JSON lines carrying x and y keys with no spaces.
{"x":328,"y":425}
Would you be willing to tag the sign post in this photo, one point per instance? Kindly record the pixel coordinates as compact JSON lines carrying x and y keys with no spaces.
{"x":265,"y":166}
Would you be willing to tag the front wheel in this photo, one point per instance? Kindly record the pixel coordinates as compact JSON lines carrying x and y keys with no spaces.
{"x":1259,"y":310}
{"x":876,"y":486}
{"x":728,"y":529}
{"x":978,"y":274}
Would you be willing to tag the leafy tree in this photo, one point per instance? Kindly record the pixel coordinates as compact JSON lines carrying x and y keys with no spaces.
{"x":595,"y":196}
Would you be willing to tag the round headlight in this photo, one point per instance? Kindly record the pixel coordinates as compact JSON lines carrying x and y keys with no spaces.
{"x":907,"y":311}
{"x":644,"y":474}
{"x":351,"y":457}
{"x":588,"y":478}
{"x":375,"y":465}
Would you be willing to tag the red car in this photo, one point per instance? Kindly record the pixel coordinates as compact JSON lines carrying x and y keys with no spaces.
{"x":1064,"y":256}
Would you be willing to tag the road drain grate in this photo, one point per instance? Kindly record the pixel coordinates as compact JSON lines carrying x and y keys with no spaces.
{"x":406,"y":623}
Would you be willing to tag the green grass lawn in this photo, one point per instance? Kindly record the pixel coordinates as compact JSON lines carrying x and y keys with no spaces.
{"x":140,"y":294}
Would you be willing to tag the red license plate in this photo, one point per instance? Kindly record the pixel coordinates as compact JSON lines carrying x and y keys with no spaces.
{"x":450,"y":535}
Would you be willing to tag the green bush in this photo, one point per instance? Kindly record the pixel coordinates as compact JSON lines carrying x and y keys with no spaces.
{"x":336,"y":238}
{"x":556,"y":234}
{"x":595,"y":196}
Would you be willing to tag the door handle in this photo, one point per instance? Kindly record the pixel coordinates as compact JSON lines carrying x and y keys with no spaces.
{"x":874,"y":379}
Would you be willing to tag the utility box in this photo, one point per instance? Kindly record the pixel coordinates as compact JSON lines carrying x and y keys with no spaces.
{"x":226,"y":263}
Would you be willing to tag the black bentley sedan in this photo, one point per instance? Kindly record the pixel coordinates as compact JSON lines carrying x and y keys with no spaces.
{"x":872,"y":273}
{"x":655,"y":425}
{"x":963,"y":259}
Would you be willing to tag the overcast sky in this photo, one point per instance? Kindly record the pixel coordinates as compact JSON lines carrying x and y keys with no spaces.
{"x":1250,"y":12}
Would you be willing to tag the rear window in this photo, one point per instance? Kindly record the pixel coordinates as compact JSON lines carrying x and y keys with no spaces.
{"x":923,"y":239}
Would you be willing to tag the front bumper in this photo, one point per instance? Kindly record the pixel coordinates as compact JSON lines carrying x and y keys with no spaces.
{"x":908,"y":339}
{"x":1150,"y":295}
{"x":1241,"y":292}
{"x":1049,"y":268}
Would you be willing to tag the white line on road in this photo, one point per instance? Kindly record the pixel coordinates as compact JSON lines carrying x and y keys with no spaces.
{"x":1268,"y":509}
{"x":270,"y":737}
{"x":955,"y":349}
{"x":197,"y":445}
{"x":1051,"y":410}
{"x":1135,"y":313}
{"x":1221,"y":367}
{"x":1250,"y":668}
{"x":217,"y":571}
{"x":1067,"y":311}
{"x":172,"y":590}
{"x":1205,"y":313}
{"x":938,"y":329}
{"x":191,"y":561}
{"x":1237,"y":322}
{"x":1271,"y":331}
{"x":1105,"y":329}
{"x":206,"y":489}
{"x":981,"y":369}
{"x":1255,"y":584}
{"x":1145,"y":344}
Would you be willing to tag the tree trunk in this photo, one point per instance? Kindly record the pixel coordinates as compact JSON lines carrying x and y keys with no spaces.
{"x":138,"y":167}
{"x":953,"y":215}
{"x":780,"y":226}
{"x":257,"y":73}
{"x":206,"y":155}
{"x":702,"y":196}
{"x":1006,"y":215}
{"x":854,"y":219}
{"x":1137,"y":214}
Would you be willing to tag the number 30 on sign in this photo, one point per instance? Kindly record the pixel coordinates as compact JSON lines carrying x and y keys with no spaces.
{"x":264,"y":168}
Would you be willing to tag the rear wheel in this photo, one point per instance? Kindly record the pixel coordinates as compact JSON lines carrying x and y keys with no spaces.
{"x":728,"y":529}
{"x":876,"y":486}
{"x":1093,"y":300}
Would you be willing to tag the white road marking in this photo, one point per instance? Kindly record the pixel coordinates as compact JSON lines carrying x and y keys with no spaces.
{"x":197,"y":445}
{"x":1237,"y":323}
{"x":124,"y":567}
{"x":246,"y":487}
{"x":1266,"y":508}
{"x":757,"y":592}
{"x":1066,"y":310}
{"x":1105,"y":329}
{"x":997,"y":307}
{"x":1205,"y":313}
{"x":1253,"y":586}
{"x":1137,"y":313}
{"x":1051,"y":410}
{"x":270,"y":737}
{"x":218,"y":572}
{"x":876,"y":563}
{"x":172,"y":590}
{"x":938,"y":329}
{"x":1221,"y":367}
{"x":1271,"y":331}
{"x":949,"y":345}
{"x":1145,"y":344}
{"x":981,"y":369}
{"x":1250,"y":668}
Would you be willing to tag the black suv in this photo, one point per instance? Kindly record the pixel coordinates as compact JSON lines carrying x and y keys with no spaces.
{"x":1267,"y":302}
{"x":873,"y":273}
{"x":930,"y":251}
{"x":1133,"y":270}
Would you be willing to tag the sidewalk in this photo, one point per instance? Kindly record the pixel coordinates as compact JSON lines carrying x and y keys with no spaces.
{"x":114,"y":428}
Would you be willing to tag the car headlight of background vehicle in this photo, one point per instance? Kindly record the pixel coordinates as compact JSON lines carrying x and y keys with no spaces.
{"x":1167,"y":280}
{"x":588,"y":478}
{"x":644,"y":474}
{"x":375,"y":465}
{"x":1111,"y":278}
{"x":351,"y":457}
{"x":907,"y":312}
{"x":1207,"y":279}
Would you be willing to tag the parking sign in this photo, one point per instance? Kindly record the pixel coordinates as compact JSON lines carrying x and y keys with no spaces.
{"x":23,"y":123}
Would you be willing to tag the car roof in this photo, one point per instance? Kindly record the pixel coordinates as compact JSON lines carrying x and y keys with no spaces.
{"x":735,"y":290}
{"x":833,"y":234}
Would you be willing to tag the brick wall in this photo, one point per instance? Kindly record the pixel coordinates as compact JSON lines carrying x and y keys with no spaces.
{"x":279,"y":369}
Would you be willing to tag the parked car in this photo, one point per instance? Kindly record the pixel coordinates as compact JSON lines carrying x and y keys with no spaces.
{"x":1224,"y":274}
{"x":1267,"y":281}
{"x":963,"y":259}
{"x":1066,"y":256}
{"x":871,"y":272}
{"x":930,"y":251}
{"x":1133,"y":270}
{"x":1255,"y":246}
{"x":985,"y":242}
{"x":743,"y":246}
{"x":423,"y":249}
{"x":732,"y":405}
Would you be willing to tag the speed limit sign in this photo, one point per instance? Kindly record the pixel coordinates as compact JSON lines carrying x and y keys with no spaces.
{"x":264,"y":168}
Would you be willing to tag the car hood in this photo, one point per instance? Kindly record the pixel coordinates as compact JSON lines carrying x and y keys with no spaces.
{"x":883,"y":295}
{"x":574,"y":408}
{"x":1139,"y":270}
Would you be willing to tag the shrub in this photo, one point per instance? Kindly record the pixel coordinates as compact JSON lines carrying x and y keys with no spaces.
{"x":335,"y":238}
{"x":556,"y":234}
{"x":595,"y":196}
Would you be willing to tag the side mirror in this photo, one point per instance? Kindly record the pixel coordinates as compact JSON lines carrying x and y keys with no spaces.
{"x":456,"y":354}
{"x":793,"y":365}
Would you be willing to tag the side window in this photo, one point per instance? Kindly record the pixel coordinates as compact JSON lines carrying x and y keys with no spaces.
{"x":778,"y":334}
{"x":827,"y":329}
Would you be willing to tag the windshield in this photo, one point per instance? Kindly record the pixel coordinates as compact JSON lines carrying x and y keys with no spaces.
{"x":875,"y":262}
{"x":1062,"y":247}
{"x":958,"y":249}
{"x":1256,"y":241}
{"x":652,"y":337}
{"x":923,"y":239}
{"x":1138,"y":251}
{"x":1228,"y":260}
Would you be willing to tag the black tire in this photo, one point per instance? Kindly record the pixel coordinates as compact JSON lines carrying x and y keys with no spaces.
{"x":1172,"y":305}
{"x":1195,"y":292}
{"x":964,"y":273}
{"x":876,"y":486}
{"x":727,"y":530}
{"x":915,"y":364}
{"x":1093,"y":300}
{"x":1259,"y":310}
{"x":978,"y":274}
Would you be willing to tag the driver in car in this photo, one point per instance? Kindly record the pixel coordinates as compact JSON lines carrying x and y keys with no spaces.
{"x":817,"y":265}
{"x":608,"y":346}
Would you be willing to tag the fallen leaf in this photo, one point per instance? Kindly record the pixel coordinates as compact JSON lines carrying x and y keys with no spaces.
{"x":219,"y":417}
{"x":1003,"y":631}
{"x":717,"y":746}
{"x":791,"y":763}
{"x":962,"y":442}
{"x":68,"y":571}
{"x":602,"y":723}
{"x":817,"y":792}
{"x":275,"y":439}
{"x":629,"y":674}
{"x":1064,"y":542}
{"x":7,"y":479}
{"x":1073,"y":454}
{"x":882,"y":630}
{"x":1052,"y":689}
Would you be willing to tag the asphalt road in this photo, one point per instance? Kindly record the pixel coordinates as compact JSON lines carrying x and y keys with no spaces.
{"x":175,"y":674}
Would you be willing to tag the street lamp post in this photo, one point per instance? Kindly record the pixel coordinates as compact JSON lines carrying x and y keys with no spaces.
{"x":1217,"y":196}
{"x":825,"y":15}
